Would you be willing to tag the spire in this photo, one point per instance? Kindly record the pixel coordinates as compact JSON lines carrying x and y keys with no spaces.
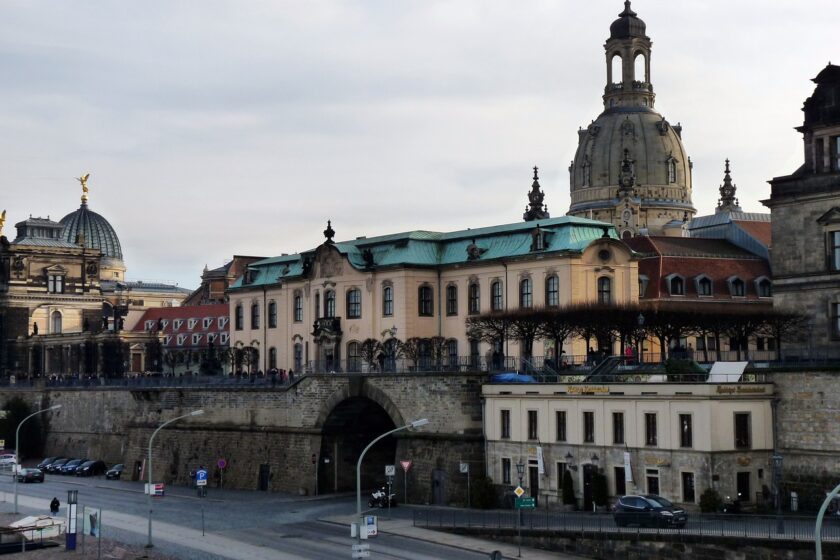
{"x":329,"y":233}
{"x":535,"y":209}
{"x":628,"y":12}
{"x":727,"y":201}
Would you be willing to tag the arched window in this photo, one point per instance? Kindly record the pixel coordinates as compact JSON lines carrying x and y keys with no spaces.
{"x":238,"y":317}
{"x":452,"y":352}
{"x":526,"y":294}
{"x":672,"y":170}
{"x":298,"y":303}
{"x":272,"y":358}
{"x":474,"y":299}
{"x":354,"y":361}
{"x":639,"y":73}
{"x":354,"y":303}
{"x":616,"y":70}
{"x":255,"y":315}
{"x":604,"y":290}
{"x":329,"y":303}
{"x":272,"y":315}
{"x":387,"y":301}
{"x":497,"y":300}
{"x":298,"y":357}
{"x":452,"y":300}
{"x":587,"y":172}
{"x":55,"y":322}
{"x":424,"y":301}
{"x":552,"y":291}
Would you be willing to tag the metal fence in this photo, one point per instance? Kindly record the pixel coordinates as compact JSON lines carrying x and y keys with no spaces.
{"x":602,"y":525}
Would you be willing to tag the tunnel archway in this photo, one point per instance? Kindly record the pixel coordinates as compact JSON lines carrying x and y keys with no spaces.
{"x":349,"y":427}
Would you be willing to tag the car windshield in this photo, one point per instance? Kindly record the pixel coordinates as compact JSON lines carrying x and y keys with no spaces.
{"x":117,"y":467}
{"x":659,"y":501}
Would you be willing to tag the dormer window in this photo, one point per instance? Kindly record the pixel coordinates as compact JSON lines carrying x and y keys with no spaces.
{"x":737,"y":288}
{"x":191,"y":323}
{"x":207,"y":322}
{"x":211,"y":337}
{"x":676,"y":285}
{"x":176,"y":324}
{"x":703,"y":285}
{"x":163,"y":324}
{"x":763,"y":287}
{"x":166,"y":340}
{"x":180,"y":340}
{"x":150,"y":325}
{"x":223,"y":321}
{"x":223,"y":338}
{"x":196,"y":338}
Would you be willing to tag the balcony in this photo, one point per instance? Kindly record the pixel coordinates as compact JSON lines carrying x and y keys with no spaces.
{"x":327,"y":326}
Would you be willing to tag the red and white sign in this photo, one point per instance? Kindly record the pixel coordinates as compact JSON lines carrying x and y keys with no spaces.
{"x":406,"y":465}
{"x":222,"y":463}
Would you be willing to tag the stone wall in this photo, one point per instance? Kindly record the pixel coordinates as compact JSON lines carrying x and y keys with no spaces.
{"x":279,"y":427}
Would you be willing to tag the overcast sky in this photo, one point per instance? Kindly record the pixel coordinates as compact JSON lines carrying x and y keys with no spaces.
{"x":212,"y":128}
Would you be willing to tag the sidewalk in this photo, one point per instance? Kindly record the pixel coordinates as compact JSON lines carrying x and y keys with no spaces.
{"x":405,"y":528}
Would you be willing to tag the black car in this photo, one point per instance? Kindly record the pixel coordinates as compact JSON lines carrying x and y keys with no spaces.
{"x":30,"y":475}
{"x":115,"y":472}
{"x":70,"y":466}
{"x":91,"y":468}
{"x":43,"y":464}
{"x":56,"y":465}
{"x":648,"y":511}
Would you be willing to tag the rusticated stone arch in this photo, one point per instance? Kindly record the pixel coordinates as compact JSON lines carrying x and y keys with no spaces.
{"x":359,"y":388}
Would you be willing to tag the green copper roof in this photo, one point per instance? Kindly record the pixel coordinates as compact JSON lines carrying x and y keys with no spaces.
{"x":430,"y":249}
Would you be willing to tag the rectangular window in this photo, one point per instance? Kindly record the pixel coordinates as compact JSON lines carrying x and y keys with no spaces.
{"x":239,"y":317}
{"x":833,"y":250}
{"x":496,"y":300}
{"x":354,"y":303}
{"x":255,"y":316}
{"x":552,"y":291}
{"x":298,"y":309}
{"x":55,"y":284}
{"x":686,"y":433}
{"x":650,"y":428}
{"x":532,"y":425}
{"x":474,"y":299}
{"x":272,"y":315}
{"x":618,"y":427}
{"x":560,"y":421}
{"x":424,"y":301}
{"x":387,"y":301}
{"x":505,"y":424}
{"x":505,"y":470}
{"x":589,"y":427}
{"x":742,"y":430}
{"x":451,"y":300}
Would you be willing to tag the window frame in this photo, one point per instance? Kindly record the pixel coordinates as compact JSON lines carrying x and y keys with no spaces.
{"x":506,"y":470}
{"x":329,"y":304}
{"x":497,"y":296}
{"x":425,"y":301}
{"x":272,"y":314}
{"x":387,"y":301}
{"x":604,"y":284}
{"x":297,"y":313}
{"x":560,"y":426}
{"x":735,"y":282}
{"x":55,"y":283}
{"x":618,"y":427}
{"x":239,"y":317}
{"x":354,"y":303}
{"x":702,"y":281}
{"x":255,"y":316}
{"x":474,"y":298}
{"x":504,"y":423}
{"x":742,"y":441}
{"x":686,"y":435}
{"x":526,"y":293}
{"x":651,"y":431}
{"x":533,"y":425}
{"x":552,"y":291}
{"x":451,"y":300}
{"x":588,"y":426}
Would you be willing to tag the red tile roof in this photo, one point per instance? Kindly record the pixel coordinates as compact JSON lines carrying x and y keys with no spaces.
{"x":199,"y":320}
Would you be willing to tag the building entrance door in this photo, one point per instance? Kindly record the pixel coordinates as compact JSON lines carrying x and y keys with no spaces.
{"x":534,"y":482}
{"x":743,"y":488}
{"x":265,"y":476}
{"x":588,"y":475}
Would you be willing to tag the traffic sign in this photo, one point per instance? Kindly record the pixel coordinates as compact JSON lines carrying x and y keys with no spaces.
{"x":519,"y":491}
{"x":201,"y":477}
{"x":157,"y":489}
{"x":406,"y":465}
{"x":222,"y":463}
{"x":526,"y":503}
{"x":465,"y":468}
{"x":390,"y":470}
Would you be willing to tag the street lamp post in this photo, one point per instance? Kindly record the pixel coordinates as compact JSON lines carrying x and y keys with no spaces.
{"x":520,"y":470}
{"x":17,"y":445}
{"x":415,"y":424}
{"x":149,"y":489}
{"x":777,"y":484}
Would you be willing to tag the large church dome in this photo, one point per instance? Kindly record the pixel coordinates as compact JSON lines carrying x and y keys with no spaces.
{"x":631,"y":168}
{"x":97,"y":232}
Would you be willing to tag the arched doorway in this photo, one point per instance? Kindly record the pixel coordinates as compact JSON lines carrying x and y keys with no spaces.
{"x":348,"y":429}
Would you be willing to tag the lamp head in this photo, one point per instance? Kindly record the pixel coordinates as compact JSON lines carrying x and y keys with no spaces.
{"x":55,"y":407}
{"x":196,"y":412}
{"x":421,"y":422}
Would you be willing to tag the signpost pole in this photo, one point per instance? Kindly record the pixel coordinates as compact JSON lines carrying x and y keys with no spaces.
{"x":405,"y":485}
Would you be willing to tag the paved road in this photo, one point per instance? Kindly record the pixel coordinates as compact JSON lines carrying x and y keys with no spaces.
{"x":237,"y":524}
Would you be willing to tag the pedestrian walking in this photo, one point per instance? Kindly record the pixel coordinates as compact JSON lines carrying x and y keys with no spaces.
{"x":54,"y":505}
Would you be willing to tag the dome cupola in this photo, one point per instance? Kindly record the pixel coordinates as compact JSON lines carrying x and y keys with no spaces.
{"x":627,"y":25}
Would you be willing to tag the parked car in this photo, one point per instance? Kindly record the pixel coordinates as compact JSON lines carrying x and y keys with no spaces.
{"x":30,"y":475}
{"x":91,"y":468}
{"x":70,"y":466}
{"x":648,"y":511}
{"x":48,"y":461}
{"x":115,"y":472}
{"x":56,"y":465}
{"x":8,"y":459}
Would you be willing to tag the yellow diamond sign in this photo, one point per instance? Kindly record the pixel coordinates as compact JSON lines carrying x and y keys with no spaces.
{"x":519,"y":491}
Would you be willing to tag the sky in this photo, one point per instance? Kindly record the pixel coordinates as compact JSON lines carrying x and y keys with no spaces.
{"x":212,"y":128}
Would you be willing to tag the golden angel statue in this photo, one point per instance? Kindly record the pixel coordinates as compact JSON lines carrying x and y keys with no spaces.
{"x":83,"y":181}
{"x":2,"y":221}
